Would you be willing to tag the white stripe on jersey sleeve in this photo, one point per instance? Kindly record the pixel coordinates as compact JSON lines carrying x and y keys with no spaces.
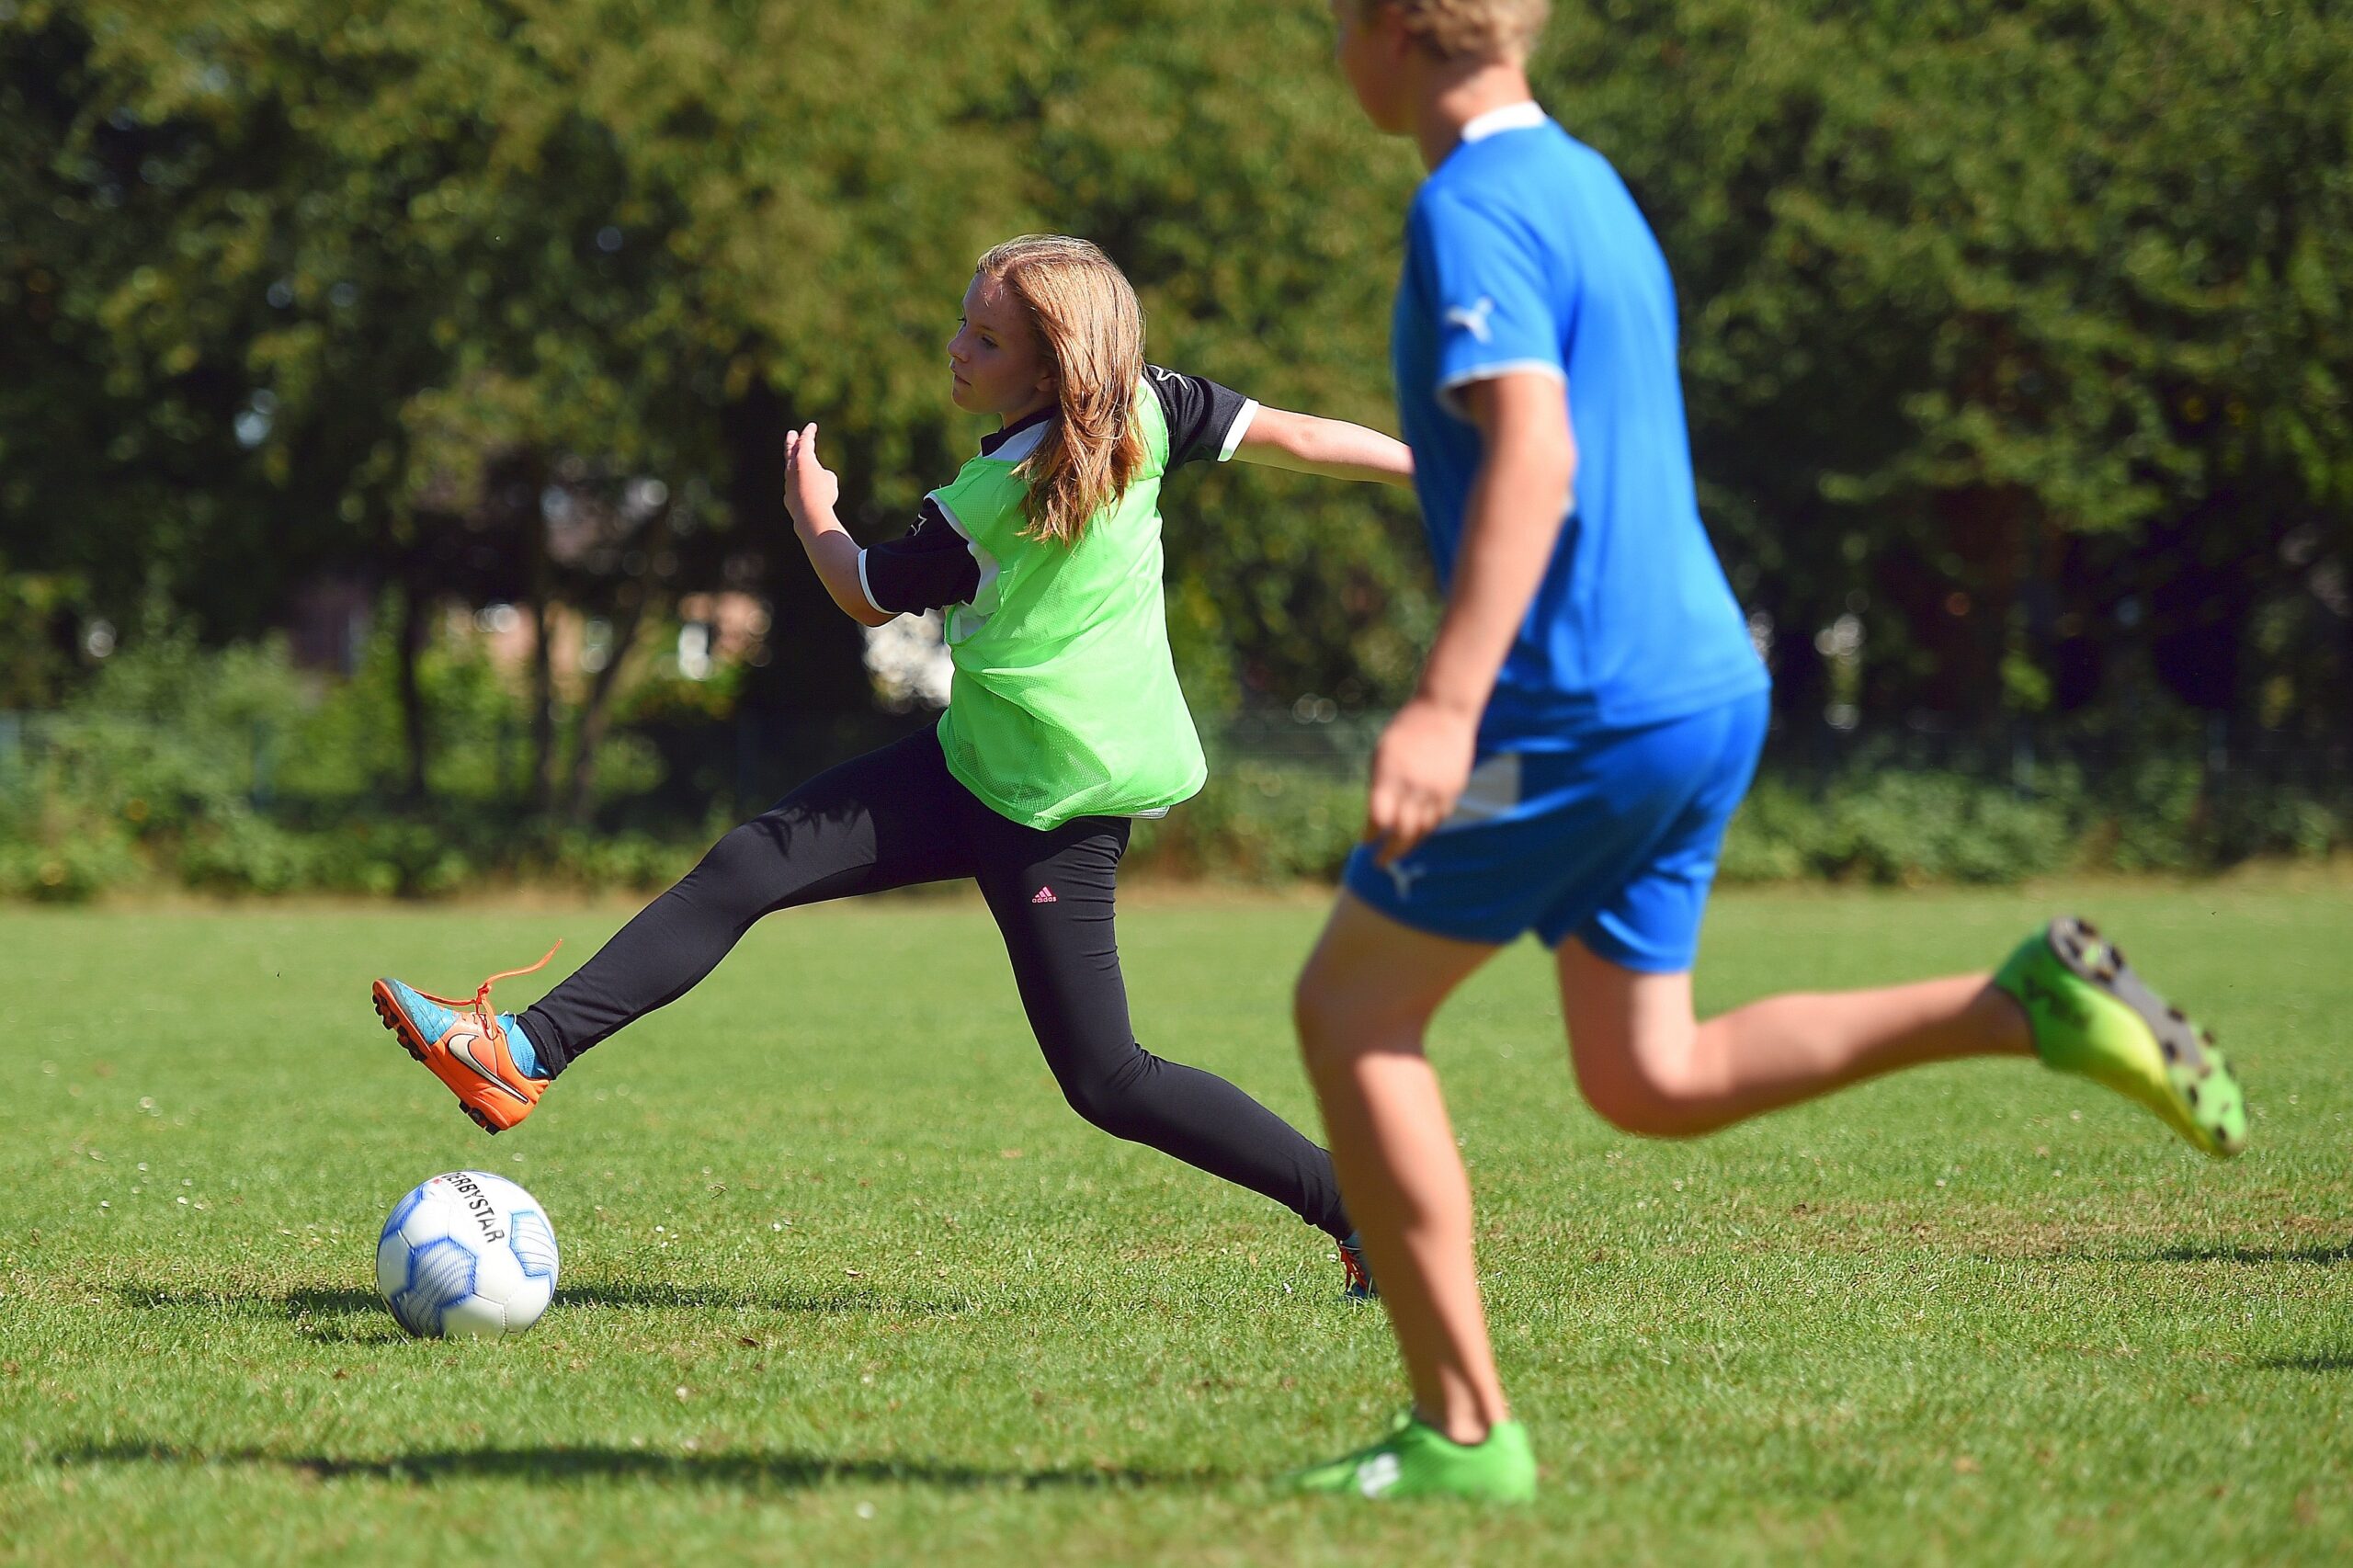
{"x":1239,"y":428}
{"x":1448,"y":388}
{"x":867,"y":588}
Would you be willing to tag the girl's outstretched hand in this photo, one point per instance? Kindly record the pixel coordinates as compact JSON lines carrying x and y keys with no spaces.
{"x":810,"y":487}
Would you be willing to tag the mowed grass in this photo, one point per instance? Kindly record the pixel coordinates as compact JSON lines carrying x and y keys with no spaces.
{"x":845,"y":1280}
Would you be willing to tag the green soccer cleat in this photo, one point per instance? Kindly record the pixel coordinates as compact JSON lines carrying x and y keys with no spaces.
{"x":2091,"y":1014}
{"x":1418,"y":1460}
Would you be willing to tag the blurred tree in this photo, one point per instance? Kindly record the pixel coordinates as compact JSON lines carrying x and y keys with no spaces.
{"x":2021,"y":325}
{"x":2015,"y":330}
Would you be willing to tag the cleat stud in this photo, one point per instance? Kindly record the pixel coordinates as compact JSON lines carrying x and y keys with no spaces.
{"x":2192,"y":1092}
{"x":2173,"y":1051}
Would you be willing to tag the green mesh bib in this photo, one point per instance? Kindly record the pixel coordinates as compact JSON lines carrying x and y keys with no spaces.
{"x":1064,"y":701}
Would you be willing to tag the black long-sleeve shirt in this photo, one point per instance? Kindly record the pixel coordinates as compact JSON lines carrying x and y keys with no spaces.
{"x":931,"y":566}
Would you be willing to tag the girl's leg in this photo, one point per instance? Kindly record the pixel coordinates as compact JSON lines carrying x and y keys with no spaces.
{"x":1363,"y":1004}
{"x":885,"y":820}
{"x":1052,"y":894}
{"x":1648,"y":1066}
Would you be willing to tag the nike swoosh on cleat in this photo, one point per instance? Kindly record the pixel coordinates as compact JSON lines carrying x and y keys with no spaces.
{"x":457,"y":1046}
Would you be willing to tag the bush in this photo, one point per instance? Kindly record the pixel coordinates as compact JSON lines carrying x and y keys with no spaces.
{"x":55,"y":848}
{"x":1277,"y":822}
{"x":1903,"y":829}
{"x":69,"y":871}
{"x":632,"y":860}
{"x":170,"y":738}
{"x":228,"y":772}
{"x":240,"y":853}
{"x":1258,"y":822}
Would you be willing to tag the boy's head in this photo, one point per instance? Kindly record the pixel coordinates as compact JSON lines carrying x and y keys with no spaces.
{"x":1391,"y":49}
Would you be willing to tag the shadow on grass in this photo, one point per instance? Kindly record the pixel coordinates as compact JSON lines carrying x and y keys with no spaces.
{"x":2326,"y":1254}
{"x":345,"y":1316}
{"x":2319,"y":1362}
{"x":554,"y":1466}
{"x":316,"y":1304}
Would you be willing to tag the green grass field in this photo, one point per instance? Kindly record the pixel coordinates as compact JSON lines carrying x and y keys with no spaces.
{"x":845,"y":1280}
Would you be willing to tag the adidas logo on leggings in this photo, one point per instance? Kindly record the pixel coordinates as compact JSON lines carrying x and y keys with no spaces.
{"x":1045,"y":895}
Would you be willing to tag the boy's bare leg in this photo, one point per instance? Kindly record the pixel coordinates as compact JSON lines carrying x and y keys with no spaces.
{"x":1647,"y":1065}
{"x":1362,"y":1006}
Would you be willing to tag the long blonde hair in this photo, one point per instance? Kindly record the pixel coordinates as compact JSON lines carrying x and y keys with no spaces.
{"x":1092,"y":331}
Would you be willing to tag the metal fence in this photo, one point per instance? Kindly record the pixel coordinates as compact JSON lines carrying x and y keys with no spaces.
{"x":755,"y":759}
{"x":2028,"y":756}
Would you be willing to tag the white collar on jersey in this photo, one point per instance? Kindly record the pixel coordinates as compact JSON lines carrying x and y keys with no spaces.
{"x":1511,"y":117}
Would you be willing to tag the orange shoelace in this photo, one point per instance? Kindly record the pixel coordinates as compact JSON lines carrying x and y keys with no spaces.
{"x":480,"y":1001}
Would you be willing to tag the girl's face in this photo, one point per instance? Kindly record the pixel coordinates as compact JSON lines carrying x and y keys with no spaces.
{"x":998,"y":363}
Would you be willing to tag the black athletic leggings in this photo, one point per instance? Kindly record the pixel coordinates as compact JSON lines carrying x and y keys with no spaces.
{"x":896,"y":817}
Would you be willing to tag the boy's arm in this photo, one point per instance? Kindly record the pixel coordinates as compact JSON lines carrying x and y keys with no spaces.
{"x":810,"y":493}
{"x":1333,"y":448}
{"x":1517,"y":504}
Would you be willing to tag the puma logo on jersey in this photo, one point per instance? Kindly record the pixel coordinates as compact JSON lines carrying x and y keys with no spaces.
{"x":1474,"y":320}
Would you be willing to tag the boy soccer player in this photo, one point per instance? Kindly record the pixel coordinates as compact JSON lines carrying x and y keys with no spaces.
{"x":1589,"y":717}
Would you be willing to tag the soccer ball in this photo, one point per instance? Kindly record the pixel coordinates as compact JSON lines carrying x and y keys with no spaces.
{"x":467,"y":1255}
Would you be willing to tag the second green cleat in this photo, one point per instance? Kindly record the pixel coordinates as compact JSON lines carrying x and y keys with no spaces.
{"x":1418,"y":1460}
{"x":2091,"y":1014}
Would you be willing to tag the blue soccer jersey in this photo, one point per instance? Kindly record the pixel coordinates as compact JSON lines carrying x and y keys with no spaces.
{"x":1526,"y":251}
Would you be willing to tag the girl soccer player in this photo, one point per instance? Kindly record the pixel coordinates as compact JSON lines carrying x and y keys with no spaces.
{"x":1589,"y":717}
{"x":1064,"y":724}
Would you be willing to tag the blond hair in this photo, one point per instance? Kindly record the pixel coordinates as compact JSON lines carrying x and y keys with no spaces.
{"x":1476,"y":30}
{"x":1092,"y":330}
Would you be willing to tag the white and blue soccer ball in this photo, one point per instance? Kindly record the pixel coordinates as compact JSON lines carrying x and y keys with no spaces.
{"x":468,"y":1254}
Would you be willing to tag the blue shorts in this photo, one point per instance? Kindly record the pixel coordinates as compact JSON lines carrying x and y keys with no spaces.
{"x":1613,"y":842}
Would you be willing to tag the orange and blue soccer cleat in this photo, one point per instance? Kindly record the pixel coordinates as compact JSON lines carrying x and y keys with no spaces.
{"x":485,"y":1058}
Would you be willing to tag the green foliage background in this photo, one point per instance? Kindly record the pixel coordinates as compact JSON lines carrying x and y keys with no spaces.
{"x":2016,"y":331}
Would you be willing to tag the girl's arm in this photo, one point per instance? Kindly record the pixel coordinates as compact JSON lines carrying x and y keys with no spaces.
{"x":1333,"y":448}
{"x":810,"y":493}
